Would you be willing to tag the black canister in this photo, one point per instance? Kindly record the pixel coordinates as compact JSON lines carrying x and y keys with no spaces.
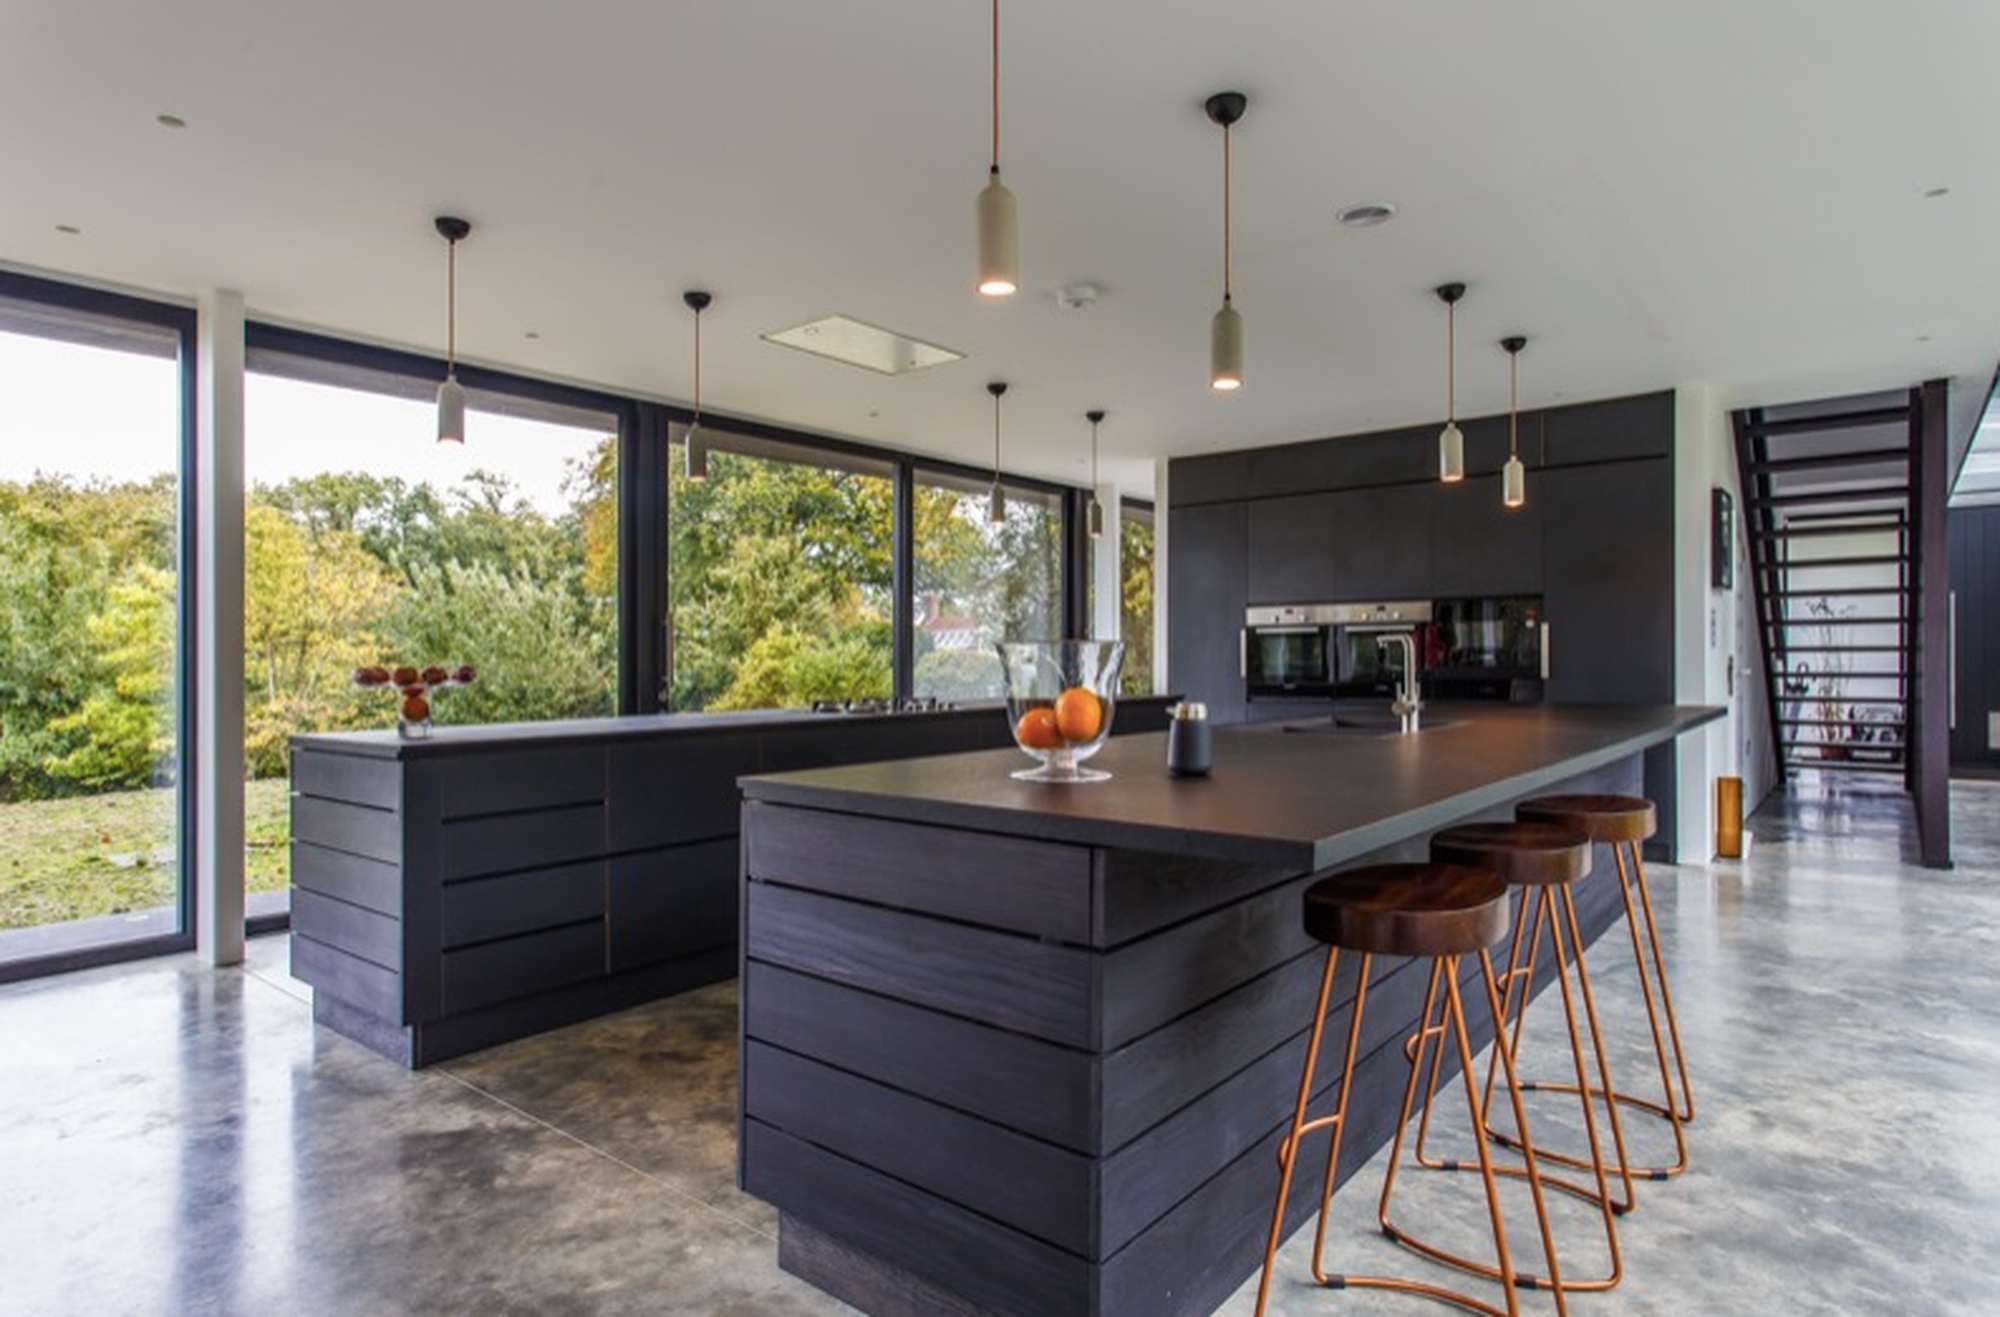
{"x":1190,"y":744}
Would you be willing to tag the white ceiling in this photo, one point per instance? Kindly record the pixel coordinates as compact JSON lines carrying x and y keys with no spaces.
{"x":1699,"y":192}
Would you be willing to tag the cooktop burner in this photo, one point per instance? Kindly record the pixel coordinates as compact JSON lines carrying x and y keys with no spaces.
{"x":924,"y":704}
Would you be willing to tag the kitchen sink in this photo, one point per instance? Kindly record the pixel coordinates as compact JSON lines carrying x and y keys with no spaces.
{"x":1366,"y":725}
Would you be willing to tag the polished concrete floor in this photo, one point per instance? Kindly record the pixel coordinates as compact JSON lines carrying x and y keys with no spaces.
{"x":178,"y":1140}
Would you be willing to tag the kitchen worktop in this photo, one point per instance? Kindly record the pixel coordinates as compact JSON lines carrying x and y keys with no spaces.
{"x":1295,"y":799}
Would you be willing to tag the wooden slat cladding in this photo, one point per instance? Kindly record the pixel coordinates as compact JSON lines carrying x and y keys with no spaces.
{"x":355,"y":829}
{"x":1000,"y":1270}
{"x":521,"y":780}
{"x":1020,"y":1082}
{"x":372,"y":884}
{"x":374,"y":937}
{"x":521,"y":966}
{"x":1138,"y":892}
{"x":350,"y":778}
{"x":1003,"y":979}
{"x":471,"y":847}
{"x":484,"y":909}
{"x":1042,"y":888}
{"x":360,"y":983}
{"x":1018,"y":1181}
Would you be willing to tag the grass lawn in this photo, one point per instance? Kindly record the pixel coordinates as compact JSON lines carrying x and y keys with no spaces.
{"x":114,"y":853}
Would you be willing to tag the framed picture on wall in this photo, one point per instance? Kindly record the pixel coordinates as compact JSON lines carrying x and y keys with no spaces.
{"x":1722,"y":541}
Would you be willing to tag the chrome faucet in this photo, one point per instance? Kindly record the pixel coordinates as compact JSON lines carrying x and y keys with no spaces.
{"x":1409,"y":705}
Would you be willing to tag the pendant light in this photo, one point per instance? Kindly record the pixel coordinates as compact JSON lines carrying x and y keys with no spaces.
{"x":1094,"y":519}
{"x":1514,"y":477}
{"x":1225,"y":331}
{"x":999,"y":236}
{"x":1451,"y":440}
{"x":697,"y":442}
{"x":451,"y":398}
{"x":996,"y":502}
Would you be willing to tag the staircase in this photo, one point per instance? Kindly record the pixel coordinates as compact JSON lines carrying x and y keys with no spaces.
{"x":1827,"y":492}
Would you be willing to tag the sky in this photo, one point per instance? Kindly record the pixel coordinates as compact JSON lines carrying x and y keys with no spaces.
{"x":94,"y":413}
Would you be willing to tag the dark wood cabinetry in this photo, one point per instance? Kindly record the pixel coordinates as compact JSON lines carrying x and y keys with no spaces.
{"x":495,"y":882}
{"x":1206,"y":546}
{"x":1291,"y":547}
{"x":1479,"y":547}
{"x":1382,"y":542}
{"x":1608,"y":580}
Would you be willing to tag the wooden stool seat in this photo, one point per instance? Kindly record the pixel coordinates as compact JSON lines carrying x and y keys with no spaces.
{"x":1408,"y":910}
{"x":1605,"y":818}
{"x":1524,"y":854}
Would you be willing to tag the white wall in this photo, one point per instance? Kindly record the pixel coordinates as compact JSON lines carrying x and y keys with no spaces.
{"x":1707,"y":661}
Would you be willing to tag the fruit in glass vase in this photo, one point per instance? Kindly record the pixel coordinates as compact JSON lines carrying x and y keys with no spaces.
{"x":1037,"y":729}
{"x":371,"y":676}
{"x":406,"y":676}
{"x":415,"y":707}
{"x":464,"y":675}
{"x":435,"y":676}
{"x":1079,"y":714}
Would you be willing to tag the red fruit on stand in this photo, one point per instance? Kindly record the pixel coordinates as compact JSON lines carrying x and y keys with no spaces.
{"x":464,"y":675}
{"x":435,"y":676}
{"x":415,"y":707}
{"x":406,"y":676}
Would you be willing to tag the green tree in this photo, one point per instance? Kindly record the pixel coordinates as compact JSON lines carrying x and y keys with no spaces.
{"x":127,"y":720}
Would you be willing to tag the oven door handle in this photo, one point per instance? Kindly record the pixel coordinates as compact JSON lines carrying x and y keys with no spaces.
{"x":1243,"y":653}
{"x":1285,"y":630}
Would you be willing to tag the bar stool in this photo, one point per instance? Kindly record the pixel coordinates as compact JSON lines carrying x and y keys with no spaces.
{"x":1543,"y":859}
{"x":1440,"y":912}
{"x":1624,"y":822}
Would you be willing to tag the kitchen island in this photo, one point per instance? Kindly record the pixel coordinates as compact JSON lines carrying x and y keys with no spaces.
{"x":1018,"y":1048}
{"x":494,"y":881}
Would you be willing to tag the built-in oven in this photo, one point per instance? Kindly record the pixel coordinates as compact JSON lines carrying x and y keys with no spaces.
{"x":1366,"y":668}
{"x":1287,"y":651}
{"x":1492,"y":649}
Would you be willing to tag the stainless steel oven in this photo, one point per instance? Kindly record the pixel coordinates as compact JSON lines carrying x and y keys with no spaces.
{"x":1287,"y":651}
{"x":1364,"y":668}
{"x":1494,"y":649}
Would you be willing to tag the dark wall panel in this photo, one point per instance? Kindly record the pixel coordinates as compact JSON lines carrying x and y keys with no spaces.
{"x":1975,"y":585}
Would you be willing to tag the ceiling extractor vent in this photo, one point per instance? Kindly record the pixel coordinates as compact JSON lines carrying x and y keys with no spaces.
{"x":843,"y":338}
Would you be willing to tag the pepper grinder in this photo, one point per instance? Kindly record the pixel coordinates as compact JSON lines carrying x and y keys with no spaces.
{"x":1190,"y":746}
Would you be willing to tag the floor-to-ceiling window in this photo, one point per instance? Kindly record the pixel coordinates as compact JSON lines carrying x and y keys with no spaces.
{"x":93,"y":430}
{"x":781,"y":571}
{"x":978,"y":581}
{"x":1135,"y":571}
{"x":367,"y":542}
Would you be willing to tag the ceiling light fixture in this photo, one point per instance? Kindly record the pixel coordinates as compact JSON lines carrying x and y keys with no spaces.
{"x":1514,"y":478}
{"x":1225,"y":331}
{"x":1451,"y":440}
{"x":451,"y":398}
{"x":1094,"y":519}
{"x":999,"y":235}
{"x":996,"y":501}
{"x":1366,"y":215}
{"x":697,"y":442}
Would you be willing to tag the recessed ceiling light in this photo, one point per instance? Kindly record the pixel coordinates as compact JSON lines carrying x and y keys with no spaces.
{"x":1938,"y":192}
{"x":170,"y":121}
{"x":1367,"y":215}
{"x":68,"y":228}
{"x":533,"y":333}
{"x":857,"y":343}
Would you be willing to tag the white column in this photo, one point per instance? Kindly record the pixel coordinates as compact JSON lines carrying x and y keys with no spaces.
{"x":218,"y":629}
{"x":1107,"y":575}
{"x":1704,"y":617}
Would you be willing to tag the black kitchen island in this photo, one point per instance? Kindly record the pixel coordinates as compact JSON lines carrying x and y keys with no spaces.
{"x":1016,"y":1048}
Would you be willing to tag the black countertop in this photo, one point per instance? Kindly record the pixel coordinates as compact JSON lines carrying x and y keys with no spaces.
{"x":1303,"y":800}
{"x":446,"y":739}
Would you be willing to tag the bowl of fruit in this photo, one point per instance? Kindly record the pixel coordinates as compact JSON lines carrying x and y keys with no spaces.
{"x":416,"y":688}
{"x":1060,"y":698}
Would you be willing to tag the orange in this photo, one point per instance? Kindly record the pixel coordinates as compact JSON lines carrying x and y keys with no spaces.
{"x":1079,"y":714}
{"x":415,"y":708}
{"x":1037,"y":729}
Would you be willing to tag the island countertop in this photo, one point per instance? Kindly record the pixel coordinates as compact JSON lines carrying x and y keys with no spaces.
{"x":1300,"y":800}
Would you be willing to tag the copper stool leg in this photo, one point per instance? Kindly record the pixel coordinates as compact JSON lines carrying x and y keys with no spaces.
{"x":1543,"y":903}
{"x":1638,"y":914}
